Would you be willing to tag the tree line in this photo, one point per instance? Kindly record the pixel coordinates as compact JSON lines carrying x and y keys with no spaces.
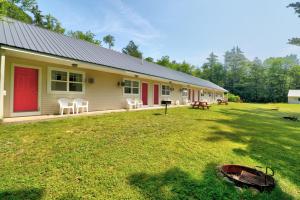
{"x":253,"y":80}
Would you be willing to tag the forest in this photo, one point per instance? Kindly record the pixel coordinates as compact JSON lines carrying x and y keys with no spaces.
{"x":253,"y":80}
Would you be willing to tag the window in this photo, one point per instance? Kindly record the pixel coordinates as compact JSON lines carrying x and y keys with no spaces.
{"x":59,"y":81}
{"x":165,"y":90}
{"x":65,"y":81}
{"x":184,"y":92}
{"x":75,"y":82}
{"x":131,"y":87}
{"x":299,"y":99}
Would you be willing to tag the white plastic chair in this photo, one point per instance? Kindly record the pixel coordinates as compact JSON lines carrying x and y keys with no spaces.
{"x":130,"y":104}
{"x":81,"y":103}
{"x":65,"y":103}
{"x":138,"y":103}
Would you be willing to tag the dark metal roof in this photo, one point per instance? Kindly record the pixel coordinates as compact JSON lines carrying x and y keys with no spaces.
{"x":29,"y":37}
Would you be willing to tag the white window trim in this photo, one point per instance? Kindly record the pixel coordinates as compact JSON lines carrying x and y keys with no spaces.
{"x":49,"y":80}
{"x":166,"y":95}
{"x":131,"y":94}
{"x":187,"y":92}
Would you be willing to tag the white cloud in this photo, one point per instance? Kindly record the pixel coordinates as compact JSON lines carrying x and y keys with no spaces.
{"x":119,"y":18}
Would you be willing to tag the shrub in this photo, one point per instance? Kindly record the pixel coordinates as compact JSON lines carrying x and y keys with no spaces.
{"x":233,"y":98}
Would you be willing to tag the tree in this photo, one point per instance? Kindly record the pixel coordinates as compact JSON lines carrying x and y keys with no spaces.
{"x":185,"y":67}
{"x":277,"y":77}
{"x":164,"y":61}
{"x":133,"y":50}
{"x":87,"y":36}
{"x":182,"y":67}
{"x":255,"y":90}
{"x":58,"y":28}
{"x":18,"y":9}
{"x":38,"y":17}
{"x":109,"y":40}
{"x":149,"y":59}
{"x":9,"y":9}
{"x":296,"y":7}
{"x":53,"y":24}
{"x":197,"y":72}
{"x":294,"y":74}
{"x":25,"y":5}
{"x":235,"y":65}
{"x":213,"y":70}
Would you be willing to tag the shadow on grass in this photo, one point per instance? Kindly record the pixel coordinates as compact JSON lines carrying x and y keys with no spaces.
{"x":269,"y":139}
{"x":28,"y":194}
{"x":178,"y":184}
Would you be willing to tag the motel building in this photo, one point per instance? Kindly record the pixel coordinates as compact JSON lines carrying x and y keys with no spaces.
{"x":39,"y":67}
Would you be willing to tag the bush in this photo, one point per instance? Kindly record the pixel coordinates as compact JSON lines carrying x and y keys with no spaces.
{"x":233,"y":98}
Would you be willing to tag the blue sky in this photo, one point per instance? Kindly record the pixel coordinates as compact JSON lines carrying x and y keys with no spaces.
{"x":185,"y":30}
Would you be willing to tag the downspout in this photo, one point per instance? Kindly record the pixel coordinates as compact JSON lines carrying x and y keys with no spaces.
{"x":2,"y":92}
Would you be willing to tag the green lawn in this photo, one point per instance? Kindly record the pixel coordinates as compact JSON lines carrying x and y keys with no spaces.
{"x":142,"y":155}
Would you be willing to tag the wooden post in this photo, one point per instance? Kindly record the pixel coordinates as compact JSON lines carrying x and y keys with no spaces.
{"x":2,"y":71}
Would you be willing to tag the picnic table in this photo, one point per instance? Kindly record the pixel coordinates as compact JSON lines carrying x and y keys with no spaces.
{"x":202,"y":104}
{"x":222,"y":101}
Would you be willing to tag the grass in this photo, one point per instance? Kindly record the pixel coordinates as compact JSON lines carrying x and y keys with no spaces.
{"x":145,"y":155}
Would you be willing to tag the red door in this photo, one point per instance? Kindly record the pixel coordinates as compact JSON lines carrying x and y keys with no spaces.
{"x":25,"y":89}
{"x":156,"y":94}
{"x":189,"y":94}
{"x":145,"y":93}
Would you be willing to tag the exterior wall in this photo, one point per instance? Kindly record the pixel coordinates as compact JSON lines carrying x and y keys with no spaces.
{"x":208,"y":95}
{"x":103,"y":94}
{"x":294,"y":100}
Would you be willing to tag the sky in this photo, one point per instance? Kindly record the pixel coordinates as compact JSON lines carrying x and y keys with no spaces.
{"x":185,"y":30}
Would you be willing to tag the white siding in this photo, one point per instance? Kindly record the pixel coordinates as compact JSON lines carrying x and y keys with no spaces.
{"x":294,"y":100}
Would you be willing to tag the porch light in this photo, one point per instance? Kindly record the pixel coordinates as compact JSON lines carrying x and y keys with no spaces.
{"x":91,"y":80}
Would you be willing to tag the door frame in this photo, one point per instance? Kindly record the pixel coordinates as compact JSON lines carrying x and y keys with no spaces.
{"x":147,"y":92}
{"x":193,"y":95}
{"x":12,"y":90}
{"x":158,"y":94}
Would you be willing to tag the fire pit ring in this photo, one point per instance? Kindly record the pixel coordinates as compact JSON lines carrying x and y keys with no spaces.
{"x":249,"y":177}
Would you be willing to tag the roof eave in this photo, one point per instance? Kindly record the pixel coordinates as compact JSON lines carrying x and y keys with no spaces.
{"x":72,"y":60}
